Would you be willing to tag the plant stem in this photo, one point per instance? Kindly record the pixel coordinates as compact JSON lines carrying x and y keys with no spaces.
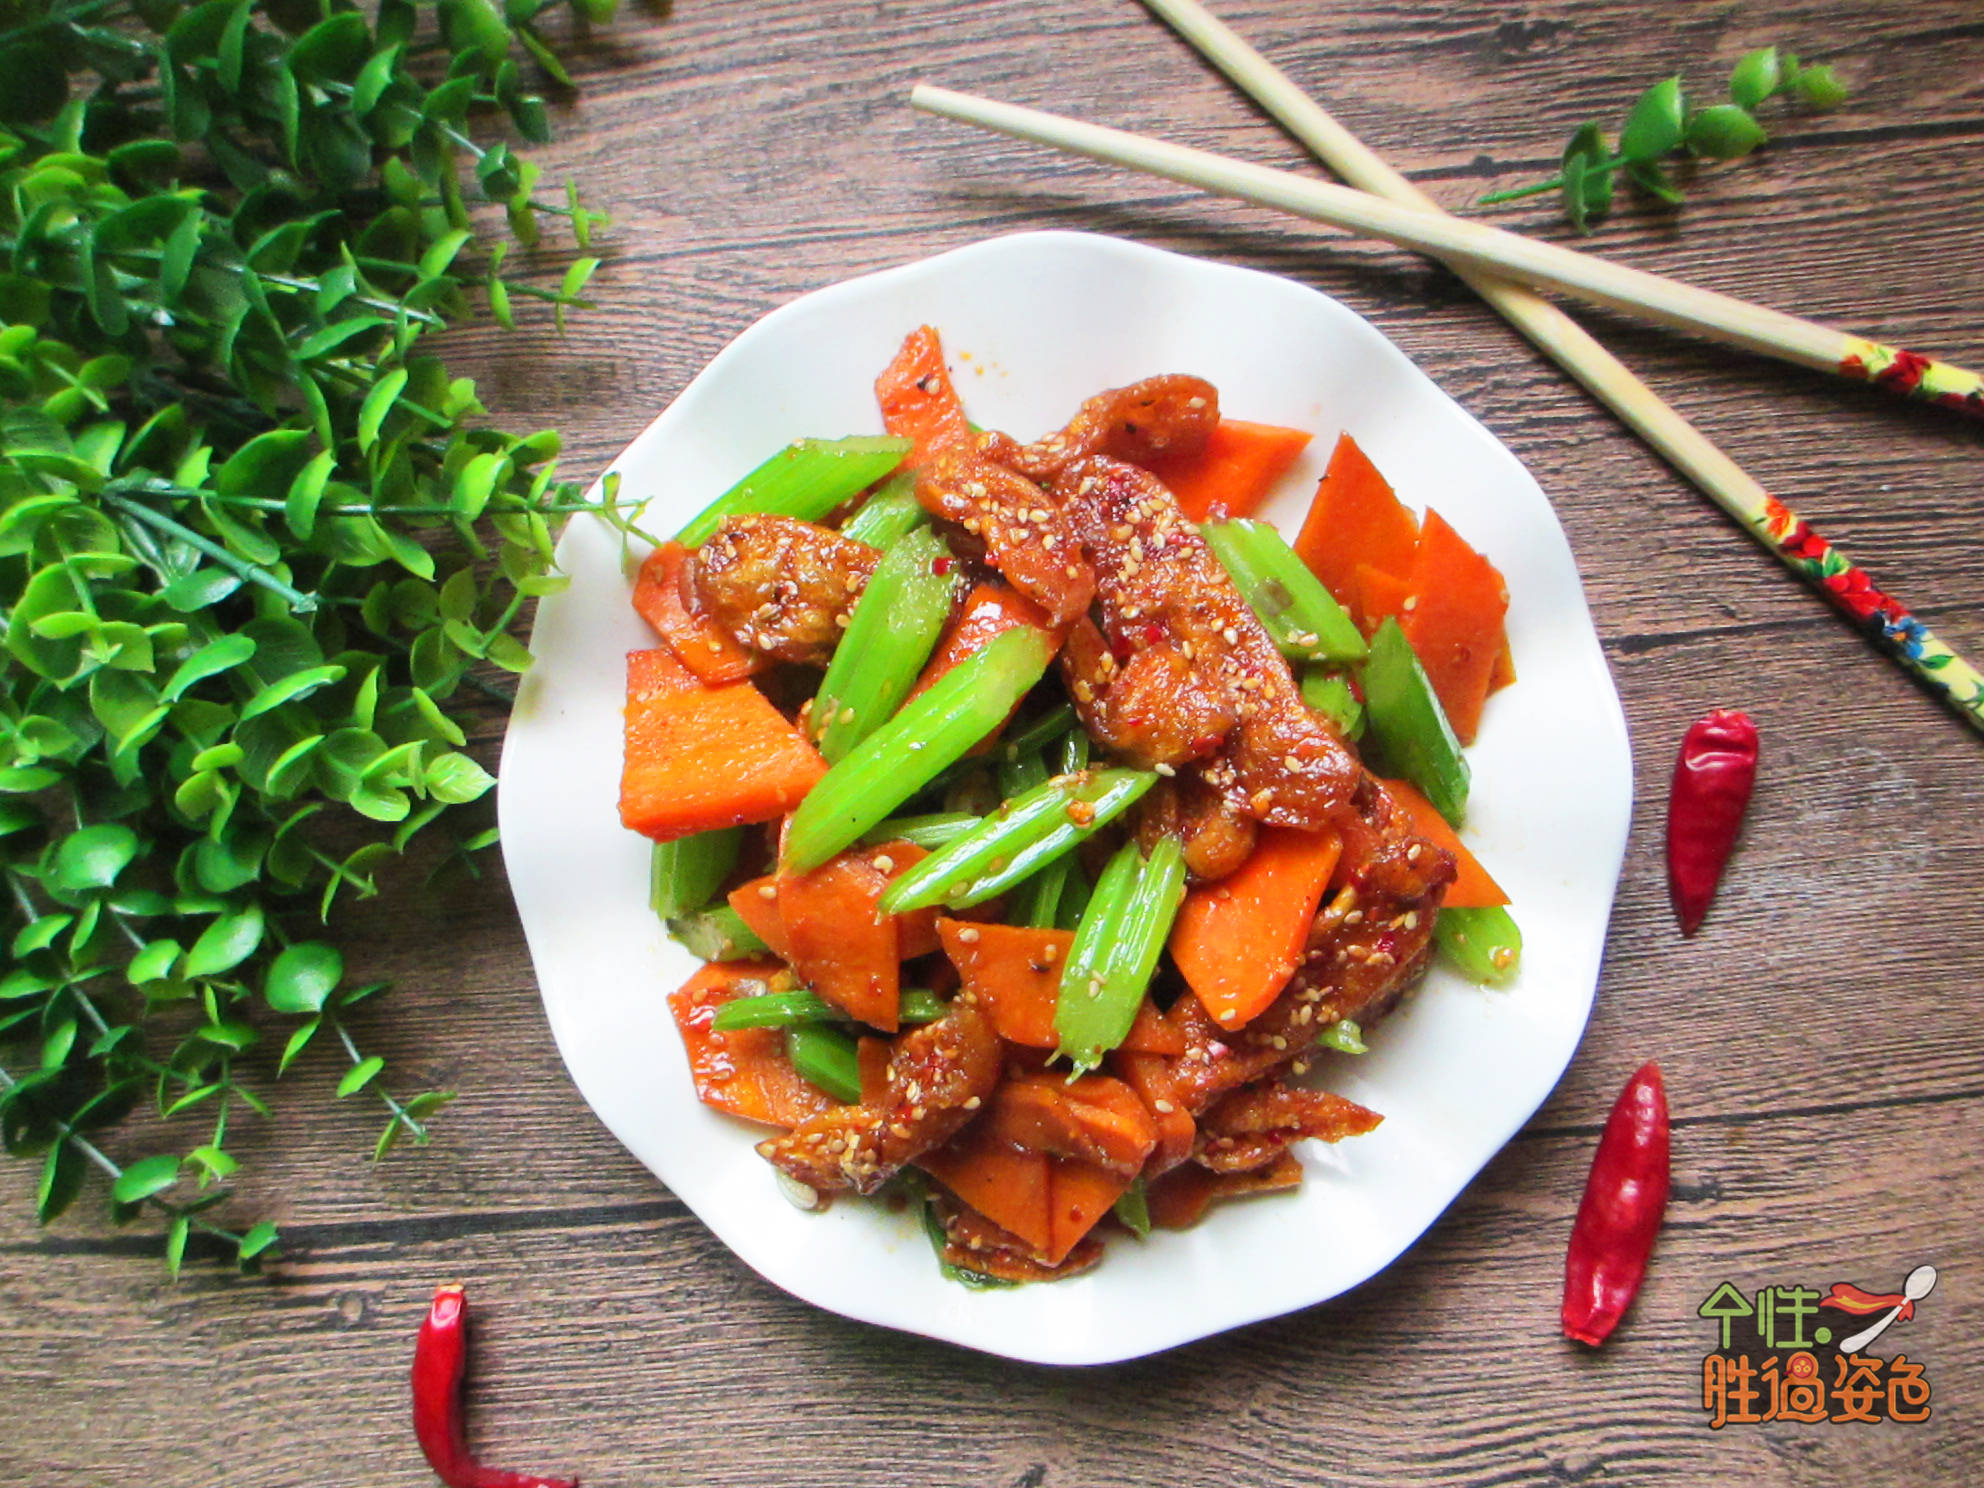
{"x":254,"y":573}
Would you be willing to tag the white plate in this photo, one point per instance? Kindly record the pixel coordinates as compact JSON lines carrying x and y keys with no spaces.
{"x":1034,"y":323}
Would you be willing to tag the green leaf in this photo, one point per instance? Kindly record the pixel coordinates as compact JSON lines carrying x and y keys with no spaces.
{"x":217,"y":1163}
{"x":153,"y":963}
{"x":61,"y":1180}
{"x":258,"y":1239}
{"x":298,"y":1042}
{"x":39,"y":934}
{"x":1652,"y":179}
{"x":1820,"y":87}
{"x":288,"y":689}
{"x":1755,"y":77}
{"x":1655,"y":126}
{"x":145,"y":1177}
{"x":303,"y":977}
{"x":360,"y":1075}
{"x":1724,"y":132}
{"x":175,"y":1243}
{"x":199,"y":589}
{"x":209,"y":661}
{"x":93,"y":857}
{"x":227,"y":942}
{"x":378,"y":403}
{"x":456,"y":779}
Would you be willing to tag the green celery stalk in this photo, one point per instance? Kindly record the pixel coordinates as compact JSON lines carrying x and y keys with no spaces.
{"x":1329,"y":694}
{"x":1306,"y":622}
{"x":683,"y":874}
{"x":1018,"y":776}
{"x":1344,"y":1036}
{"x":1037,"y":902}
{"x":893,"y":512}
{"x":1019,"y":839}
{"x":1134,"y":1210}
{"x":1074,"y":750}
{"x":1409,"y":732}
{"x":891,"y":633}
{"x":903,"y":755}
{"x":1038,"y":734}
{"x":787,"y":1009}
{"x":806,"y":479}
{"x":930,"y":831}
{"x":1482,"y":944}
{"x":1116,"y":948}
{"x":716,"y":934}
{"x":826,"y":1056}
{"x":1074,"y":896}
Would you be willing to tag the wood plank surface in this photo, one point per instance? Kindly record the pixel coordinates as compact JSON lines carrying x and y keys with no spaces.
{"x":1823,"y":1039}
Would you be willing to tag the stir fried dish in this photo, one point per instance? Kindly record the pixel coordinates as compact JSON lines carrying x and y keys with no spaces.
{"x":1051,"y":828}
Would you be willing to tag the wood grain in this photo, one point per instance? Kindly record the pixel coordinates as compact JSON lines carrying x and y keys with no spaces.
{"x":1821,"y":1037}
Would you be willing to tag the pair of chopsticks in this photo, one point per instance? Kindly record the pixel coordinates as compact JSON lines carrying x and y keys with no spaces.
{"x":1500,"y":265}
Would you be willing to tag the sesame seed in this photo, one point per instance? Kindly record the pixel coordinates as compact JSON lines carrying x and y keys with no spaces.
{"x":968,"y":935}
{"x":886,"y":863}
{"x":1231,"y":635}
{"x":973,"y":1103}
{"x":1164,"y":769}
{"x":1163,"y":1107}
{"x":1411,"y":602}
{"x":715,"y":644}
{"x":768,"y":891}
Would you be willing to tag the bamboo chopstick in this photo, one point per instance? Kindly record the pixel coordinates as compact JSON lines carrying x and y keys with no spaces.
{"x":1508,"y":255}
{"x":1882,"y":618}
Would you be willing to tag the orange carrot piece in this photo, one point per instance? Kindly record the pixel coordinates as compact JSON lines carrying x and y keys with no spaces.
{"x":1355,"y":519}
{"x":1472,"y":887}
{"x":1233,"y":474}
{"x":1376,"y":595}
{"x":918,"y":401}
{"x":699,"y":758}
{"x":698,"y":642}
{"x":840,"y":943}
{"x":1015,"y":973}
{"x":989,"y":611}
{"x":756,"y":904}
{"x":1078,"y":1195}
{"x":1504,"y":674}
{"x":744,"y":1071}
{"x":1006,"y":1184}
{"x":1455,"y":623}
{"x":1239,"y":940}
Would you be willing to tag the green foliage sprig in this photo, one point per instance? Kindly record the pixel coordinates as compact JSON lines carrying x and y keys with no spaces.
{"x":1662,"y":124}
{"x":253,"y":538}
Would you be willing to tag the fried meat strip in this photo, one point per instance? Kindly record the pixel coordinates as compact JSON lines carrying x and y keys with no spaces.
{"x":1181,"y":644}
{"x":1216,"y":838}
{"x":1019,"y":526}
{"x":779,"y":585}
{"x":1172,"y":415}
{"x":973,"y":1243}
{"x":1248,"y":1129}
{"x":1370,"y":943}
{"x":939,"y":1077}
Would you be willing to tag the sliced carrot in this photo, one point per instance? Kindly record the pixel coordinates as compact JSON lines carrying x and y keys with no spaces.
{"x":1015,"y":973}
{"x":1355,"y":519}
{"x":839,"y":943}
{"x":918,"y":401}
{"x":1150,"y":1076}
{"x":745,"y":1071}
{"x":1239,"y":940}
{"x":1235,"y":471}
{"x":1504,"y":674}
{"x":1078,"y":1195}
{"x":1006,"y":1184}
{"x":990,"y":610}
{"x":756,"y":904}
{"x":1376,"y":595}
{"x":699,"y":758}
{"x":1455,"y":622}
{"x":1472,"y":887}
{"x":698,"y":642}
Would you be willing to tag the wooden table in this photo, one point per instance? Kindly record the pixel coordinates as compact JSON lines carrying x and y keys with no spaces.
{"x":1822,"y":1037}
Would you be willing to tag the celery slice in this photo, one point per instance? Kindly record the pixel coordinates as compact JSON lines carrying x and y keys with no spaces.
{"x":806,"y":479}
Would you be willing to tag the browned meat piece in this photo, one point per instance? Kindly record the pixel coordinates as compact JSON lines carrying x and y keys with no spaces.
{"x":1217,"y":839}
{"x":939,"y":1077}
{"x":1371,"y":942}
{"x":1020,"y":526}
{"x":780,"y":585}
{"x":1154,"y":709}
{"x":974,"y":1243}
{"x":1248,"y":1129}
{"x":1172,"y":415}
{"x":1159,"y":586}
{"x":1178,"y":1199}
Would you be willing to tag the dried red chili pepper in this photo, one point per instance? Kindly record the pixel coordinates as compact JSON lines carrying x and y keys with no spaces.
{"x":1712,"y":781}
{"x":440,"y":1358}
{"x":1624,"y":1199}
